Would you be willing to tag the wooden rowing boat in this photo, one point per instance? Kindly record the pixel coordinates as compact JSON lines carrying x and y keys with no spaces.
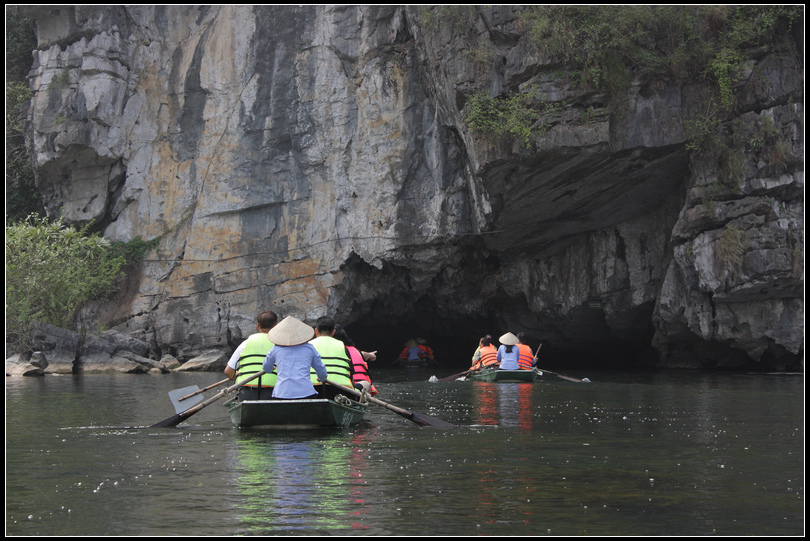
{"x":495,"y":375}
{"x":304,"y":413}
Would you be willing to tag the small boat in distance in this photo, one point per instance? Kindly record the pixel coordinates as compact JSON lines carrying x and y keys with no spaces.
{"x":295,"y":414}
{"x":495,"y":375}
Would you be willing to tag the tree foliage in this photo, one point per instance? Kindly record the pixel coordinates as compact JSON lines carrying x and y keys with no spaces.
{"x":22,"y":197}
{"x":51,"y":270}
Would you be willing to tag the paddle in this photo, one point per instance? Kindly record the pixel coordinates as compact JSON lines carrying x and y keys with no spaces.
{"x":217,"y":384}
{"x":175,"y":420}
{"x":541,"y":371}
{"x":460,"y":374}
{"x":177,"y":396}
{"x":418,"y":418}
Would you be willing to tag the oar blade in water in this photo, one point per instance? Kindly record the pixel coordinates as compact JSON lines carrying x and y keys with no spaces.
{"x":176,"y":395}
{"x":426,"y":420}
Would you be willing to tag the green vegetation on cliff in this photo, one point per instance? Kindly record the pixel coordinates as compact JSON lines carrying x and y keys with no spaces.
{"x":22,"y":197}
{"x":53,"y":269}
{"x":603,"y":47}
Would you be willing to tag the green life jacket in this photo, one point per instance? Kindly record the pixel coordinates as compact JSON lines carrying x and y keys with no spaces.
{"x":251,"y":360}
{"x":335,"y":357}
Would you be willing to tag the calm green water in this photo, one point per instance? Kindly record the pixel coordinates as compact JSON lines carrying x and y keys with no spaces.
{"x":672,"y":453}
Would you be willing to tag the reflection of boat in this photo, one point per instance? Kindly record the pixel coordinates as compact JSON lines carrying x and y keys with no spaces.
{"x":304,"y":413}
{"x":414,"y":363}
{"x":494,"y":375}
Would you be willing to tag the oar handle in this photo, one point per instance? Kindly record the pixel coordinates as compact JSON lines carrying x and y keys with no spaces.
{"x":417,"y":418}
{"x":222,"y":393}
{"x":195,"y":393}
{"x":175,"y":420}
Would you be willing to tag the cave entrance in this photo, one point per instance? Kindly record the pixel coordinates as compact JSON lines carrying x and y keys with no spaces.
{"x":453,"y":340}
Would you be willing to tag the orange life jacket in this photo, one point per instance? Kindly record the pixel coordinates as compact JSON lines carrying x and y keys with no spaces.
{"x":525,"y":357}
{"x":489,"y":355}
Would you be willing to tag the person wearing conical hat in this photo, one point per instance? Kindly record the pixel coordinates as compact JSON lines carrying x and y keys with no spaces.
{"x":293,"y":356}
{"x":508,"y":353}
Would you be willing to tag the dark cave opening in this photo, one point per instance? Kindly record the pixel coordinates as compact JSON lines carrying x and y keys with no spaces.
{"x":454,"y":341}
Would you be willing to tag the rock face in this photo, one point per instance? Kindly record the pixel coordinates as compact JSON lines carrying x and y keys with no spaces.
{"x":314,"y":159}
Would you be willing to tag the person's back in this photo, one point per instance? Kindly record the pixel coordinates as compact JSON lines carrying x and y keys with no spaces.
{"x":508,"y":357}
{"x":248,"y":358}
{"x":525,"y":357}
{"x":334,"y":355}
{"x":508,"y":352}
{"x":295,"y":357}
{"x":250,"y":361}
{"x":486,"y":355}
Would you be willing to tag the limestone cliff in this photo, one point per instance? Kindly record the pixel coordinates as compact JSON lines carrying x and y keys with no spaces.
{"x":316,"y":159}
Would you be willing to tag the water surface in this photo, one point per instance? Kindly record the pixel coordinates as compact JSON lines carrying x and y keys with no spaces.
{"x":666,"y":453}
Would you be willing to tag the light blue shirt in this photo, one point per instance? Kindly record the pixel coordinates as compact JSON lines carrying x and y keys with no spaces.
{"x":293,"y":364}
{"x":508,"y":360}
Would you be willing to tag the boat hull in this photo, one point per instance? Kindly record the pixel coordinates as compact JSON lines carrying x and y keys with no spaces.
{"x":504,"y":376}
{"x":296,"y":414}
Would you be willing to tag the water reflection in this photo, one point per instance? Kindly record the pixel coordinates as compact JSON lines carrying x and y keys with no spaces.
{"x":294,"y":483}
{"x":508,"y":405}
{"x":638,"y":454}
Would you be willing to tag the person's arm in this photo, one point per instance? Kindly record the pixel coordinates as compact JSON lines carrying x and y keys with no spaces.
{"x":317,"y":364}
{"x":233,"y":362}
{"x":270,"y":360}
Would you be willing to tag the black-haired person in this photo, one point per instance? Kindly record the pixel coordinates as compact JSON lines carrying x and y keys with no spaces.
{"x":361,"y":377}
{"x":248,"y":359}
{"x":485,"y":355}
{"x":335,"y":356}
{"x":525,"y":356}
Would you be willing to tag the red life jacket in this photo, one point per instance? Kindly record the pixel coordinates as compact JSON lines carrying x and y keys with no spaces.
{"x":360,"y":368}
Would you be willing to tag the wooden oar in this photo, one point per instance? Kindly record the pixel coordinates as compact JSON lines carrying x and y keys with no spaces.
{"x":217,"y":384}
{"x":418,"y":418}
{"x":541,"y":371}
{"x":178,"y":396}
{"x":175,"y":420}
{"x":454,"y":377}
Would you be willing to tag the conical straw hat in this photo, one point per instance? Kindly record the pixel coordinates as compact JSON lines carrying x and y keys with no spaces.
{"x":508,"y":339}
{"x":291,"y":332}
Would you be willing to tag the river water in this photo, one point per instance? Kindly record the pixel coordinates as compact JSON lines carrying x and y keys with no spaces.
{"x":663,"y":453}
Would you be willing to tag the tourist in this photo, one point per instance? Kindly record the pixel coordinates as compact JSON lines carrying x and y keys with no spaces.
{"x":412,"y":351}
{"x":361,"y":377}
{"x":248,"y":358}
{"x":294,"y":357}
{"x":485,"y":355}
{"x":335,"y":356}
{"x":508,"y":352}
{"x":525,"y":356}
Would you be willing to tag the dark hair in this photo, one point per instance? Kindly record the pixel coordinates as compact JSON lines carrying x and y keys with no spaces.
{"x":325,"y":323}
{"x":509,"y":349}
{"x":521,"y":336}
{"x":487,"y":340}
{"x":340,"y":334}
{"x":267,"y":320}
